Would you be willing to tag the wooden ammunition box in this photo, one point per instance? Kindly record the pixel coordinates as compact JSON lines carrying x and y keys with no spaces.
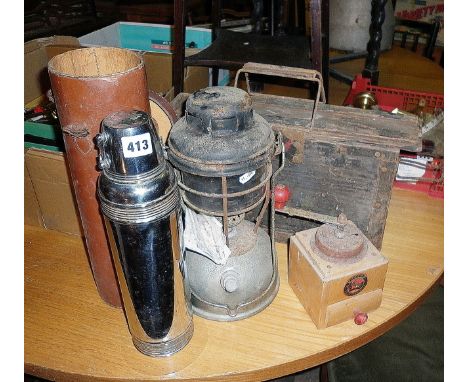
{"x":345,"y":162}
{"x":334,"y":291}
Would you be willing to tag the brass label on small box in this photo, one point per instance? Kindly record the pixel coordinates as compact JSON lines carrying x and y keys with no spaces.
{"x":355,"y":284}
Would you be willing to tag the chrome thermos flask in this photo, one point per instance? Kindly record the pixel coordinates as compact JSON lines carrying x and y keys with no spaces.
{"x":140,"y":201}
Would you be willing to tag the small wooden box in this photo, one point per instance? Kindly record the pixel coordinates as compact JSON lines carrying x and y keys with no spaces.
{"x":333,"y":291}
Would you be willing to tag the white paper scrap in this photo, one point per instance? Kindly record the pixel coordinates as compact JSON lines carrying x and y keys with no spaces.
{"x":204,"y":234}
{"x":406,"y":170}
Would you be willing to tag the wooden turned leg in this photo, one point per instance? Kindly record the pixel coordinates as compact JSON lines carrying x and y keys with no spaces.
{"x":373,"y":46}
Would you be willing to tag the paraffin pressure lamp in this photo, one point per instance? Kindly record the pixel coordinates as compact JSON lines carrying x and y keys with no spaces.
{"x":223,"y":153}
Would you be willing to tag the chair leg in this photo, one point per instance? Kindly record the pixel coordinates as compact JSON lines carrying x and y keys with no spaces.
{"x":257,"y":16}
{"x":323,"y":373}
{"x":429,"y":51}
{"x":214,"y":76}
{"x":316,"y":34}
{"x":179,"y":47}
{"x":415,"y":42}
{"x":325,"y":19}
{"x":371,"y":66}
{"x":403,"y":39}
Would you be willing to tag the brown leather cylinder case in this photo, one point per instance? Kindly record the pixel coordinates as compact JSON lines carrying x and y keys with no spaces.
{"x":88,"y":84}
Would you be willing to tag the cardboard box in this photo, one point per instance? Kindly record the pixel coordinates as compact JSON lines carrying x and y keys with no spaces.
{"x":37,"y":54}
{"x":145,"y":37}
{"x":32,"y":211}
{"x":155,"y":43}
{"x":49,"y":200}
{"x":159,"y":75}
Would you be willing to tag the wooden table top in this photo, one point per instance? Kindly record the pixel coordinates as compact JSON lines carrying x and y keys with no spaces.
{"x":71,"y":334}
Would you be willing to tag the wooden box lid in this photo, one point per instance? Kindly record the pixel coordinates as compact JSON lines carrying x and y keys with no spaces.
{"x":340,"y":124}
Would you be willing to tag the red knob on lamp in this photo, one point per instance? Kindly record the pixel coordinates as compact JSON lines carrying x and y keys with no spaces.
{"x":282,"y":195}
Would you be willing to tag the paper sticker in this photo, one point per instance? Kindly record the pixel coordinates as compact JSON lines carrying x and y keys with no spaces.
{"x":246,"y":177}
{"x":355,"y":284}
{"x":137,"y":146}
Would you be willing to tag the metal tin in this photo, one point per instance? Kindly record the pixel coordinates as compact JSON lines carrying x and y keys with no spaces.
{"x":141,"y":203}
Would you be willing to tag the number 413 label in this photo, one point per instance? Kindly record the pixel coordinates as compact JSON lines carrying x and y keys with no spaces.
{"x":137,"y":146}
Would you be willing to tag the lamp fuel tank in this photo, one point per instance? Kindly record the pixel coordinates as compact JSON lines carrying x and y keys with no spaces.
{"x":140,"y":201}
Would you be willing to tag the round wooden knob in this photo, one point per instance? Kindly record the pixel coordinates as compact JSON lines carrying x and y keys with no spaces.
{"x":360,"y":318}
{"x":282,"y":195}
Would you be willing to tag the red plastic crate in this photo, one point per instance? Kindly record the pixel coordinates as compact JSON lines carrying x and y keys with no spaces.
{"x":407,"y":100}
{"x":391,"y":98}
{"x":431,"y":182}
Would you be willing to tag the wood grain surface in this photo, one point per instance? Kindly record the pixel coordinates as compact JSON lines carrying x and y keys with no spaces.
{"x":70,"y":334}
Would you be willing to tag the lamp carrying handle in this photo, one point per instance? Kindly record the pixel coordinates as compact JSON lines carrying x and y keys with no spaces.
{"x":287,"y":72}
